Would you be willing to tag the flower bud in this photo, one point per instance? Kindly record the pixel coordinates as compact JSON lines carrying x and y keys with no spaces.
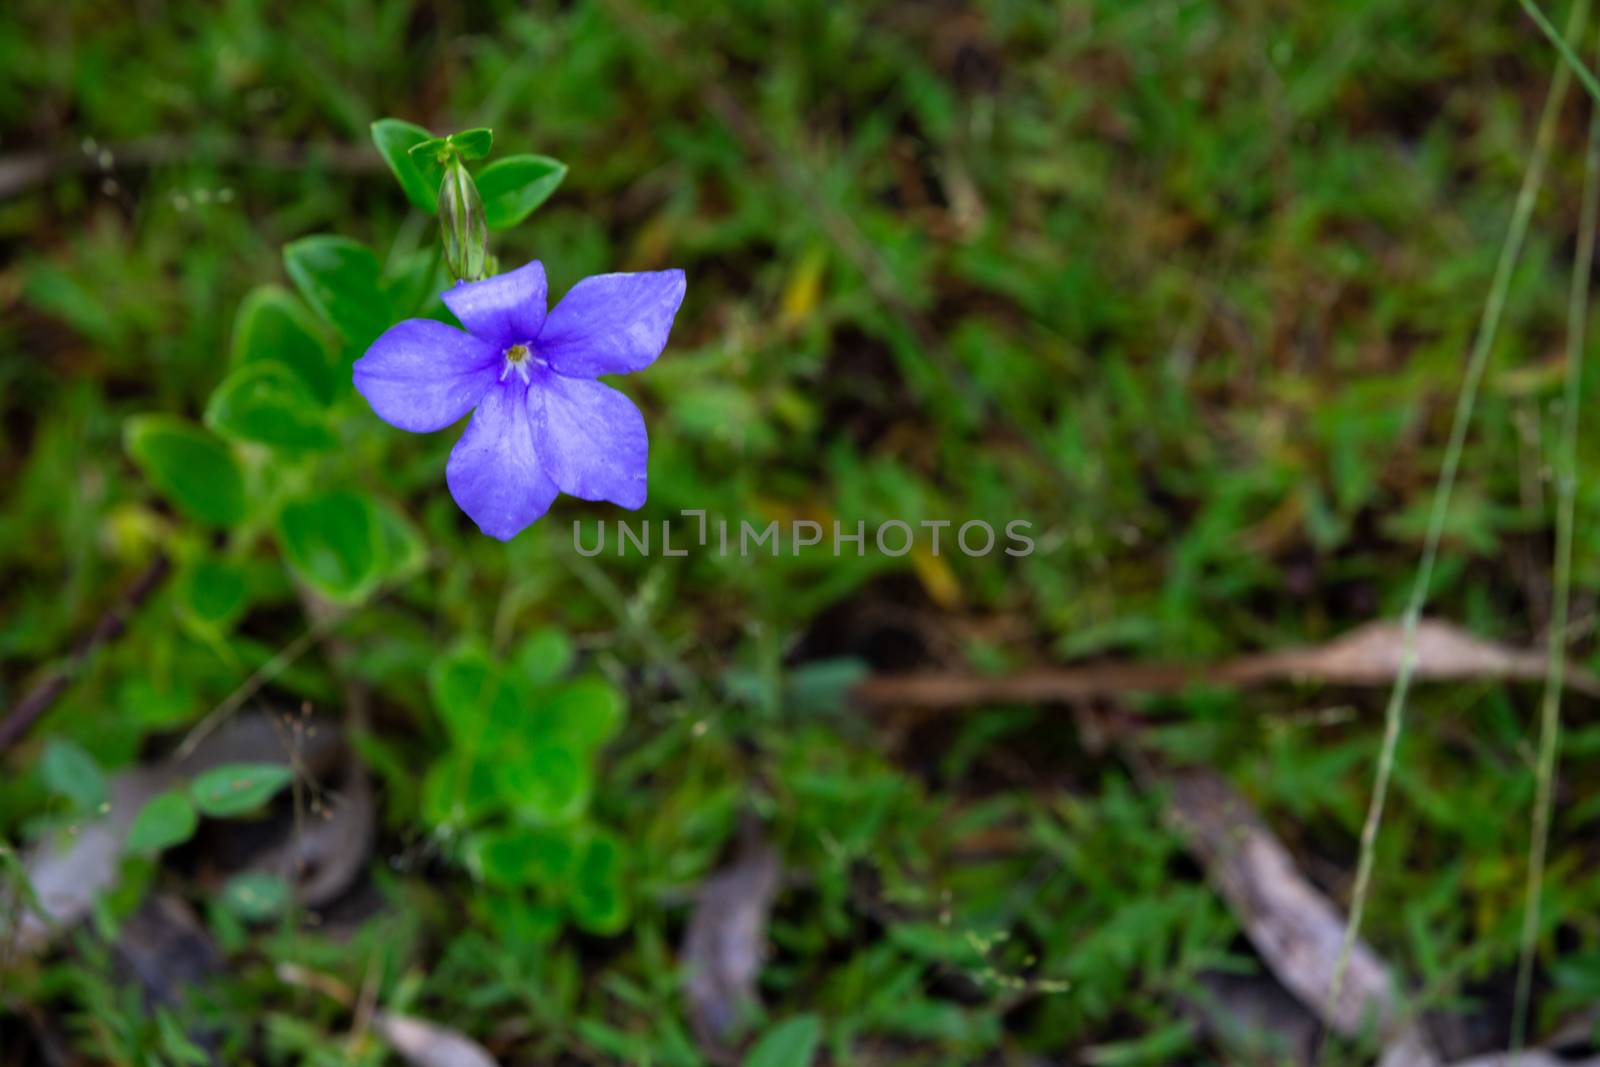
{"x":461,"y":224}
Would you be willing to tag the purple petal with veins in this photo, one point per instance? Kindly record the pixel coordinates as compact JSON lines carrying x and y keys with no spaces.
{"x":541,"y":425}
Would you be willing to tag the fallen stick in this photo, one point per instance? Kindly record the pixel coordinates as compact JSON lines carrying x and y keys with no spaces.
{"x":110,"y":625}
{"x":23,"y":172}
{"x":1368,"y":655}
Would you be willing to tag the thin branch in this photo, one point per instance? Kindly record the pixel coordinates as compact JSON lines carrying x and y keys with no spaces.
{"x":1368,"y":655}
{"x":23,"y":172}
{"x":47,"y":691}
{"x":267,"y":672}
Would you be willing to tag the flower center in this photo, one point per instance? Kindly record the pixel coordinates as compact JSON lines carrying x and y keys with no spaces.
{"x":517,"y":360}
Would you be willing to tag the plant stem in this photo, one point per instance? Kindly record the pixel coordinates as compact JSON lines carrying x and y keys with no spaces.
{"x":1483,"y":344}
{"x":1566,"y":506}
{"x":1591,"y":85}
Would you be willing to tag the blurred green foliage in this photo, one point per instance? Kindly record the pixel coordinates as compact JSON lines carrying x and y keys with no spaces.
{"x":1186,"y":284}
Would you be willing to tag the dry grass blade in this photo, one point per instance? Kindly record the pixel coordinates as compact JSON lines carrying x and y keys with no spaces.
{"x":331,"y":848}
{"x":1368,"y":655}
{"x":1566,"y":467}
{"x":1466,"y":399}
{"x":332,"y":852}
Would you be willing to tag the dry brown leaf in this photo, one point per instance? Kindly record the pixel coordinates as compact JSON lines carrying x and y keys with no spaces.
{"x":417,"y":1041}
{"x":1253,"y":1018}
{"x":68,"y":873}
{"x":727,"y":941}
{"x":425,"y":1044}
{"x":167,"y":951}
{"x":166,"y":948}
{"x":1295,"y":929}
{"x":1371,"y":655}
{"x":1368,"y":655}
{"x":1530,"y":1058}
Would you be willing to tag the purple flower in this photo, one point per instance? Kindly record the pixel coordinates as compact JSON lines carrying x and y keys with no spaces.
{"x":542,"y":424}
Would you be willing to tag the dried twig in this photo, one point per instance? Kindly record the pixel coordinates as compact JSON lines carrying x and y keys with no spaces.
{"x":20,"y":173}
{"x":1368,"y":655}
{"x":46,"y":692}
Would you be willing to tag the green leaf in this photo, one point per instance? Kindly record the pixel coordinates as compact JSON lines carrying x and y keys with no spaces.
{"x":548,"y":782}
{"x":823,"y":686}
{"x":513,"y":187}
{"x":153,"y":705}
{"x":342,"y":280}
{"x":474,"y":143}
{"x":460,"y":682}
{"x":269,"y":404}
{"x":238,"y":788}
{"x":544,"y":657}
{"x":334,"y":542}
{"x":458,"y":790}
{"x":403,"y":549}
{"x":413,"y":282}
{"x":255,"y":896}
{"x":177,"y":1046}
{"x":792,"y":1043}
{"x":167,"y":819}
{"x":435,"y":148}
{"x":71,"y":772}
{"x":469,"y":692}
{"x":273,"y":326}
{"x":418,"y":175}
{"x":189,"y":466}
{"x":597,"y":897}
{"x":212,"y":594}
{"x":518,"y":920}
{"x":588,"y":713}
{"x":512,"y":858}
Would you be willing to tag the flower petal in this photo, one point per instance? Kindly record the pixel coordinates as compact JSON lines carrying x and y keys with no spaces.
{"x":504,"y":310}
{"x":612,"y":323}
{"x":495,"y":471}
{"x":422,"y":375}
{"x":593,"y":440}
